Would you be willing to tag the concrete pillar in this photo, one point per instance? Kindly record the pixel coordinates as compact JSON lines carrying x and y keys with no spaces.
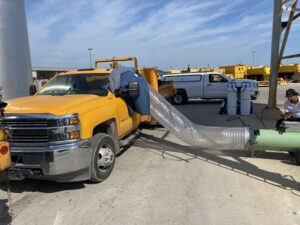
{"x":15,"y":63}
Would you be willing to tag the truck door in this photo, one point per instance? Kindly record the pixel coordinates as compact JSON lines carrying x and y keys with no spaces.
{"x":193,"y":86}
{"x":215,"y":86}
{"x":125,"y":120}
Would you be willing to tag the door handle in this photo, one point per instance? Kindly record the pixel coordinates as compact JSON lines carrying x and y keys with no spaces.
{"x":209,"y":85}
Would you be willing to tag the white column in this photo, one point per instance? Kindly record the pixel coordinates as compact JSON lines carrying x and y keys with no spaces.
{"x":15,"y":63}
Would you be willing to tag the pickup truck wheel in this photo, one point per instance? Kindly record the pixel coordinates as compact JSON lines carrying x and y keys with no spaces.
{"x":103,"y":157}
{"x":179,"y":98}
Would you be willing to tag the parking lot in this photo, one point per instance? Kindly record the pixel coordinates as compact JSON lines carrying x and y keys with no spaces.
{"x":161,"y":180}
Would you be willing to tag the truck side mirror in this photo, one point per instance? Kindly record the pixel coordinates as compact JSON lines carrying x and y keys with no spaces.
{"x":32,"y":89}
{"x":133,"y":89}
{"x":131,"y":92}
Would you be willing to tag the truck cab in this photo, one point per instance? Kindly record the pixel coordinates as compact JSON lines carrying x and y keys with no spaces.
{"x":71,"y":129}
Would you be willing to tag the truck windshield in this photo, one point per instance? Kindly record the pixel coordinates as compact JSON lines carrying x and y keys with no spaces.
{"x":77,"y":84}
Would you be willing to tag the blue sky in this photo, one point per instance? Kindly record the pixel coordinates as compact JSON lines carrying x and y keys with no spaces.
{"x":163,"y":33}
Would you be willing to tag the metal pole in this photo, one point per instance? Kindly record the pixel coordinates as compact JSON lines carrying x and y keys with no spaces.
{"x":287,"y":31}
{"x":90,"y":49}
{"x":275,"y":53}
{"x":253,"y":56}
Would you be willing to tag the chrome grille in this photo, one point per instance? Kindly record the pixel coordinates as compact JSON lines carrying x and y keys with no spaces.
{"x":24,"y":122}
{"x":28,"y":137}
{"x":37,"y":131}
{"x":28,"y":131}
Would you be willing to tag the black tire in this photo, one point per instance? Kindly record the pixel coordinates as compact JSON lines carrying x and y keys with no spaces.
{"x":179,"y":98}
{"x":103,"y":157}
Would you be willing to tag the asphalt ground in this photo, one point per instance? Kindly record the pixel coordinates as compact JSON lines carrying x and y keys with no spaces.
{"x":161,"y":180}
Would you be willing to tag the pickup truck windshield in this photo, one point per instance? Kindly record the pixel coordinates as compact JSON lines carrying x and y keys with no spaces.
{"x":77,"y":84}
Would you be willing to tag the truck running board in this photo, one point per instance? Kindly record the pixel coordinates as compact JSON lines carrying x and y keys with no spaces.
{"x":128,"y":139}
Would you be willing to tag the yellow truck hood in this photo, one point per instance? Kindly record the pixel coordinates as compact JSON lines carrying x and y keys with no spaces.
{"x":56,"y":105}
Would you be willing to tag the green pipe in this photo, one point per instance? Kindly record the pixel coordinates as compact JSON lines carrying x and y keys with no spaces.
{"x":273,"y":140}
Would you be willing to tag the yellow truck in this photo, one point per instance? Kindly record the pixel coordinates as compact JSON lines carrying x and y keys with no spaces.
{"x":73,"y":127}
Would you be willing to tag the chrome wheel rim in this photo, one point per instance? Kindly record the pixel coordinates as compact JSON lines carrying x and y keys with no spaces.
{"x":105,"y":157}
{"x":178,"y":99}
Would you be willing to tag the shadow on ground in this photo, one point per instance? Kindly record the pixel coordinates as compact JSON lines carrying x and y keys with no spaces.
{"x":29,"y":185}
{"x":5,"y":217}
{"x":166,"y":149}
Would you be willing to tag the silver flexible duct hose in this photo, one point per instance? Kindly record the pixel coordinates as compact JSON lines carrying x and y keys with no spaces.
{"x":206,"y":137}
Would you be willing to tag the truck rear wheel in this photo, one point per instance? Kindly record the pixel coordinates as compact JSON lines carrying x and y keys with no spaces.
{"x":103,"y":157}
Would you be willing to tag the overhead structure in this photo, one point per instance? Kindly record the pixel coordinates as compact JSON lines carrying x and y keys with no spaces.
{"x":15,"y":63}
{"x":280,"y":6}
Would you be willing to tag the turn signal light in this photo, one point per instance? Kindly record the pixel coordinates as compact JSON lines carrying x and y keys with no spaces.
{"x":74,"y":135}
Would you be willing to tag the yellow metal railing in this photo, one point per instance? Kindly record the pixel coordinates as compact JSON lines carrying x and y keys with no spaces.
{"x":115,"y":61}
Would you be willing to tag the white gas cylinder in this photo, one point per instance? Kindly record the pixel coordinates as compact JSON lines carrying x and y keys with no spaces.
{"x":231,"y":98}
{"x":245,"y":99}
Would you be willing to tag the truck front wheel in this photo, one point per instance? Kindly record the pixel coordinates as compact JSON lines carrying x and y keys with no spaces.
{"x":103,"y":157}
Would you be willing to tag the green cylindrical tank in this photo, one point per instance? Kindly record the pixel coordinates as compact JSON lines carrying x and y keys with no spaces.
{"x":273,"y":140}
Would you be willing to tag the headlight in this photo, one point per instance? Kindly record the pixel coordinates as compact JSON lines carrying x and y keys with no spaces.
{"x":73,"y":120}
{"x":63,"y":122}
{"x":68,"y":128}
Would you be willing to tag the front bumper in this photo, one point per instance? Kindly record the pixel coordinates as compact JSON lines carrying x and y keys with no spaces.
{"x":68,"y":162}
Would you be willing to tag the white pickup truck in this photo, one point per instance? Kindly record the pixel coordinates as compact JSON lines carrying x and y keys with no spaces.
{"x":204,"y":86}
